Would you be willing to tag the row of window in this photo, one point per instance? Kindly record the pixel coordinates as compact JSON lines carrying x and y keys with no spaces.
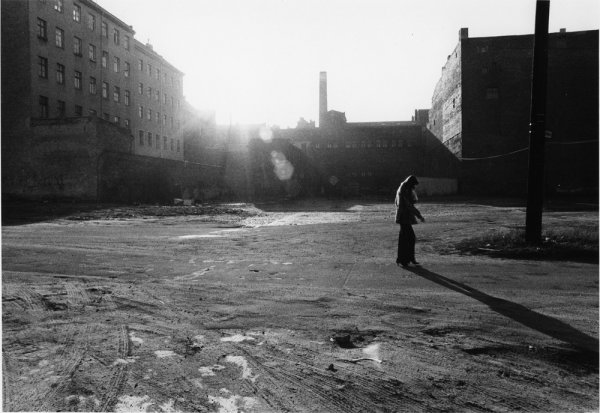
{"x":61,"y":112}
{"x":154,"y":72}
{"x":394,"y":143}
{"x":150,"y":140}
{"x":78,"y":82}
{"x":156,"y":94}
{"x":59,"y":40}
{"x":156,"y":116}
{"x":58,"y":5}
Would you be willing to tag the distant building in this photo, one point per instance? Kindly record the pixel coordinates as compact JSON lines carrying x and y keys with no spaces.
{"x":360,"y":158}
{"x":481,"y":111}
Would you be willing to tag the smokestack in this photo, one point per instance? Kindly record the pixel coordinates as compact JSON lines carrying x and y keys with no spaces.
{"x":322,"y":99}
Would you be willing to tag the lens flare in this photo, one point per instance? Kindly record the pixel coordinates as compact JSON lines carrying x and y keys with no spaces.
{"x":281,"y":166}
{"x":265,"y":133}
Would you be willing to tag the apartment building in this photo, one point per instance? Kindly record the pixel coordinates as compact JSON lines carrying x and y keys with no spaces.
{"x":65,"y":59}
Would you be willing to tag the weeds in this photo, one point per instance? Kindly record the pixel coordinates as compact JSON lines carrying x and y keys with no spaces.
{"x":558,"y":243}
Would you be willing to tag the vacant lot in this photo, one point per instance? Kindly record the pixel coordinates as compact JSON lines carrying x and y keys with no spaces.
{"x":291,"y":307}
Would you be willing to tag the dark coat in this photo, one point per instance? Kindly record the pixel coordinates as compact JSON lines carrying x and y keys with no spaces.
{"x":406,"y":212}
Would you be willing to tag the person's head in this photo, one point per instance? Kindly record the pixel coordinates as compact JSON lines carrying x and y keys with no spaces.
{"x":412,"y":181}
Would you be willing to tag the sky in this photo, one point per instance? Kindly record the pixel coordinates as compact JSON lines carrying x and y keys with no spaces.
{"x":258,"y":61}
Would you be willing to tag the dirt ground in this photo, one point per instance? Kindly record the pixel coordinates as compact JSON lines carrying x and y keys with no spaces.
{"x":291,"y":307}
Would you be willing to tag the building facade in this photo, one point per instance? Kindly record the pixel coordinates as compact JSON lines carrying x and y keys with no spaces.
{"x":481,"y":111}
{"x":72,"y":58}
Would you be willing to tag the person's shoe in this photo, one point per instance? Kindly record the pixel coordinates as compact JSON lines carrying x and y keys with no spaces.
{"x":399,"y":263}
{"x":415,"y":262}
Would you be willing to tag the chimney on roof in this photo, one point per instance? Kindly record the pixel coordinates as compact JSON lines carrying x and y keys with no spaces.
{"x":463,"y":33}
{"x":322,"y":99}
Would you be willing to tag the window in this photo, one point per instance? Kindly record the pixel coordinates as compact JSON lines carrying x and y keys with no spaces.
{"x":60,"y":74}
{"x":178,"y":106}
{"x":77,"y":46}
{"x":127,"y":68}
{"x":157,"y":142}
{"x":42,"y":67}
{"x":140,"y":65}
{"x":126,"y":42}
{"x":172,"y":101}
{"x":157,"y":117}
{"x":177,"y":145}
{"x":60,"y":108}
{"x":157,"y":96}
{"x":141,"y":136}
{"x":164,"y":98}
{"x":92,"y":85}
{"x":149,"y":91}
{"x":42,"y":29}
{"x":141,"y":112}
{"x":149,"y":114}
{"x":58,"y":5}
{"x":127,"y":123}
{"x":76,"y":13}
{"x":149,"y":138}
{"x":105,"y":29}
{"x":127,"y":97}
{"x":104,"y":58}
{"x":91,"y":22}
{"x":116,"y":36}
{"x":157,"y":73}
{"x":116,"y":64}
{"x":60,"y":38}
{"x":106,"y":117}
{"x":77,"y":80}
{"x":492,"y":93}
{"x":149,"y":67}
{"x":43,"y":107}
{"x":117,"y":120}
{"x":172,"y":144}
{"x":171,"y":122}
{"x":165,"y":143}
{"x":105,"y":90}
{"x":164,"y":121}
{"x":78,"y":110}
{"x":117,"y":94}
{"x":165,"y":77}
{"x":92,"y":52}
{"x":141,"y":88}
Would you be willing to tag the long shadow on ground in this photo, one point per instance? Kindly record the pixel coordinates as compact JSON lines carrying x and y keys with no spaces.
{"x":542,"y":323}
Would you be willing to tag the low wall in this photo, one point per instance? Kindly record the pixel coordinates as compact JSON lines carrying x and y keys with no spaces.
{"x":437,"y":186}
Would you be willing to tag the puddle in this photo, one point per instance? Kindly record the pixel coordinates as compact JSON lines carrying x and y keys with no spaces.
{"x":243,"y":363}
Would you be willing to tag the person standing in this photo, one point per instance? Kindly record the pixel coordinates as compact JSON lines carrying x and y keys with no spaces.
{"x":406,"y":216}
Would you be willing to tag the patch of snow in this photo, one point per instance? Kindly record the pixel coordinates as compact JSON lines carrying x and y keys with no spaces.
{"x":164,"y":353}
{"x":243,"y":363}
{"x":233,"y":404}
{"x":237,"y":338}
{"x":129,"y":404}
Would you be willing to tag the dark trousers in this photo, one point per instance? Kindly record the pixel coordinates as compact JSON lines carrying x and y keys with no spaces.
{"x":406,"y":244}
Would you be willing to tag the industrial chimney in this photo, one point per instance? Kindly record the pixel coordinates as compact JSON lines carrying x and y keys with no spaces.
{"x":322,"y":99}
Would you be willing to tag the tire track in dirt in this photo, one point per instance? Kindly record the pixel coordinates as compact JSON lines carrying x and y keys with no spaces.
{"x":74,"y":354}
{"x":119,"y":377}
{"x":314,"y":381}
{"x":76,"y":294}
{"x":7,"y":393}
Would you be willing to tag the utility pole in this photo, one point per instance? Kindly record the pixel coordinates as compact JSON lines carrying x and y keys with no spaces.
{"x":537,"y":126}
